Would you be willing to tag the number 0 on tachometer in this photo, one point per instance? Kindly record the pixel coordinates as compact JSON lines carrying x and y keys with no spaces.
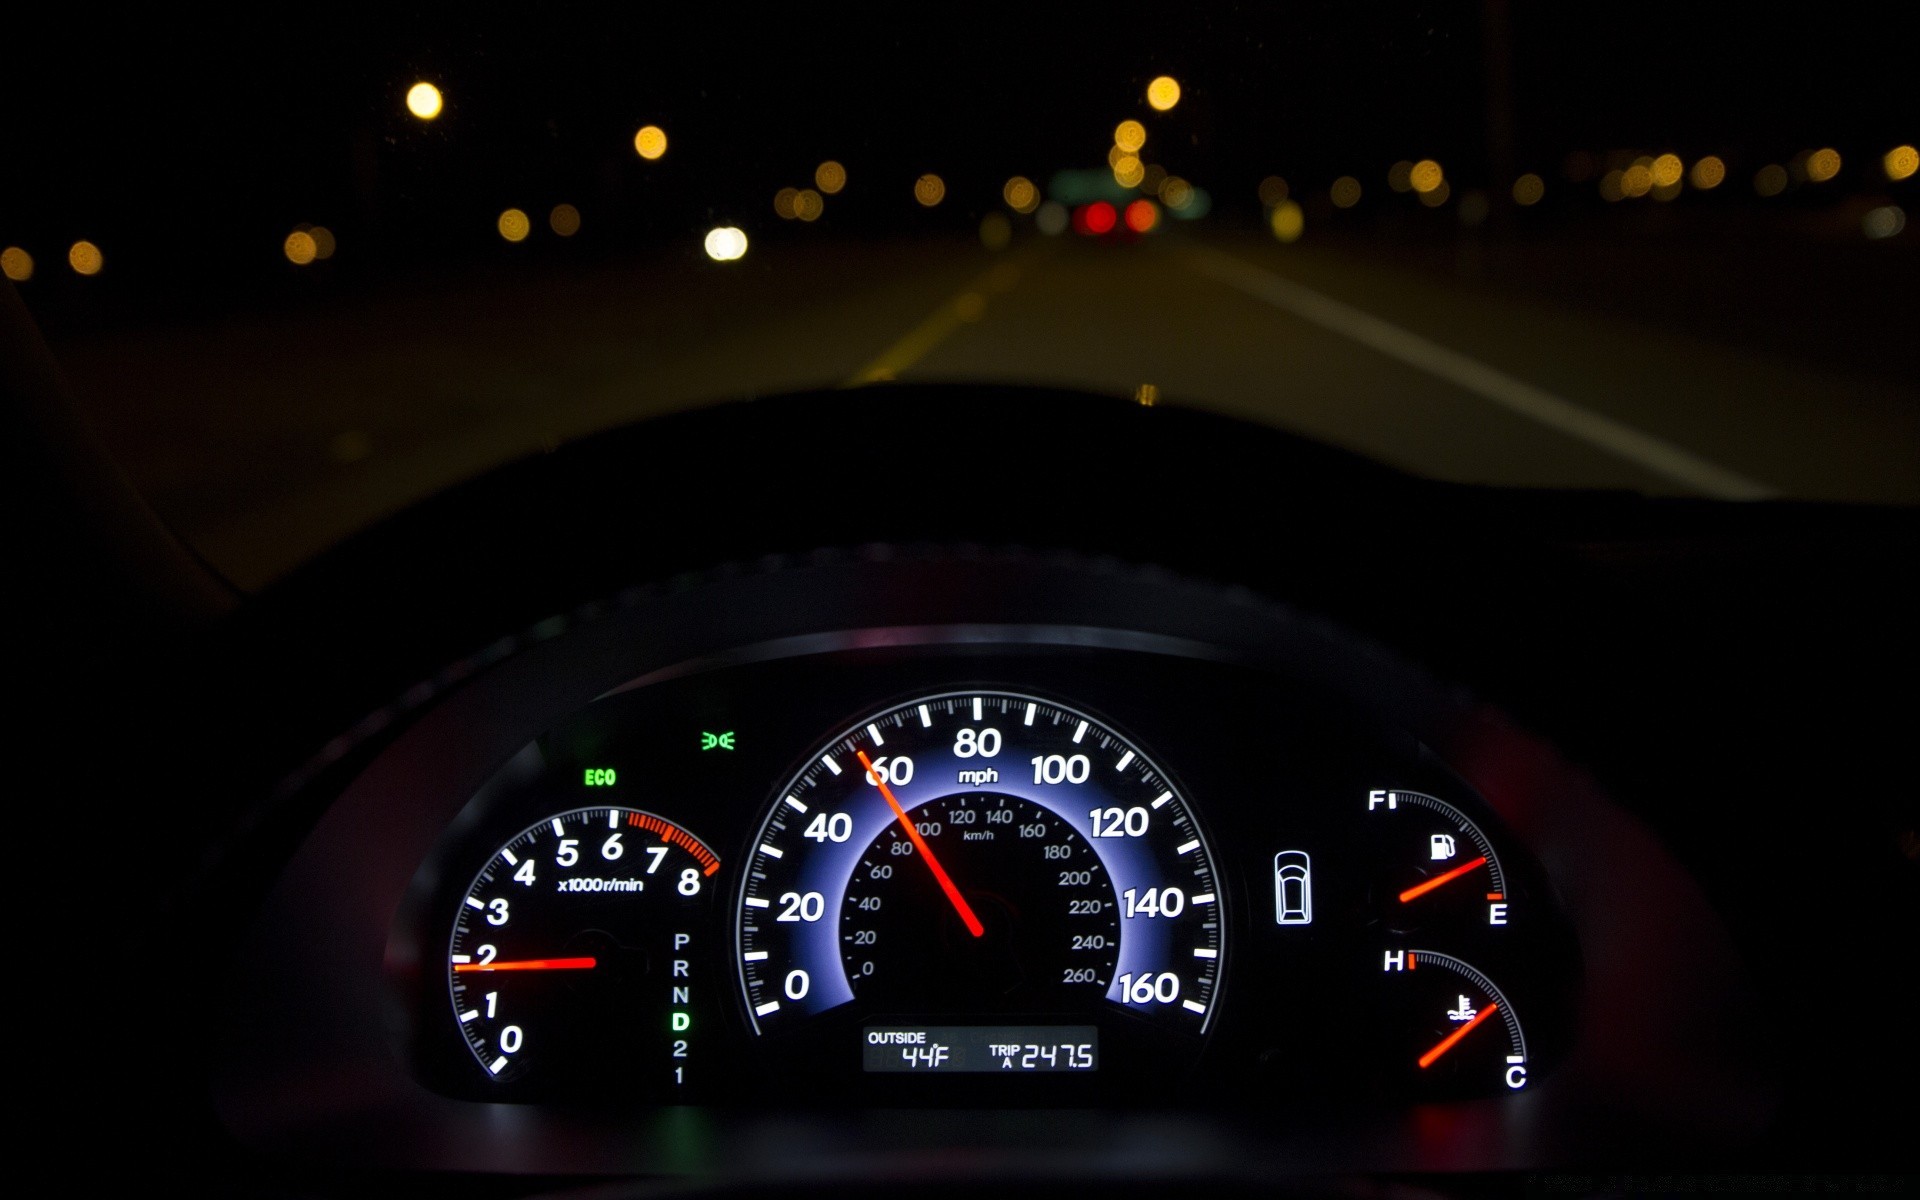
{"x":981,"y":854}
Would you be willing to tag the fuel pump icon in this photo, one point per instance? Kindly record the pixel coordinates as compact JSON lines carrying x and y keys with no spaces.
{"x":1440,"y":847}
{"x":1292,"y":888}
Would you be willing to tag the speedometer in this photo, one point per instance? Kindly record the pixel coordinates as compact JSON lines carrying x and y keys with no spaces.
{"x":982,"y":876}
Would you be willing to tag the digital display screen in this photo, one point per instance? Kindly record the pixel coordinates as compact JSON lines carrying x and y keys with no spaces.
{"x":970,"y":1049}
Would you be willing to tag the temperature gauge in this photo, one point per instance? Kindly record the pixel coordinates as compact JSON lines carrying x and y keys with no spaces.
{"x":1454,"y":1032}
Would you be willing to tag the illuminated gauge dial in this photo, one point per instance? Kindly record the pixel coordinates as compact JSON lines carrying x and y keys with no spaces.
{"x":574,"y":949}
{"x":1434,"y":869}
{"x":1451,"y":1032}
{"x":1055,"y":955}
{"x":981,"y":855}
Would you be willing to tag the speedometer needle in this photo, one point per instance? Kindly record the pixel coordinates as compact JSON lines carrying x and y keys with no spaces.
{"x":925,"y":851}
{"x":530,"y":964}
{"x":1421,"y":889}
{"x":1452,"y":1039}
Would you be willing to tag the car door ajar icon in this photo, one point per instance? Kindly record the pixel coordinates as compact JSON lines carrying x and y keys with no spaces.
{"x":1293,"y":888}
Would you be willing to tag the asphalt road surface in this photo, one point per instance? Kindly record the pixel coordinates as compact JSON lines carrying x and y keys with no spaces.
{"x":265,"y":437}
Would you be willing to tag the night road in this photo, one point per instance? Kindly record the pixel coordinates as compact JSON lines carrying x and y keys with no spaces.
{"x":265,"y":438}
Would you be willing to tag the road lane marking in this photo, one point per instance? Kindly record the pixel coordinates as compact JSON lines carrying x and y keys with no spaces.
{"x":964,"y":309}
{"x":1663,"y":458}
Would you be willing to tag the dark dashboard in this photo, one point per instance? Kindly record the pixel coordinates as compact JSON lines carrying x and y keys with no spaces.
{"x":1108,"y":792}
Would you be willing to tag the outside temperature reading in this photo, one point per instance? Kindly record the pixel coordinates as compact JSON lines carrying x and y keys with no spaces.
{"x":977,"y":1048}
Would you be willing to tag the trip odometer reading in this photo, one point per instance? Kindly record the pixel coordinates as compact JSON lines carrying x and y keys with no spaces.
{"x":982,"y":856}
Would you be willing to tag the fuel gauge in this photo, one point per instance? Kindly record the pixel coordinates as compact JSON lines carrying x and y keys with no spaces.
{"x":1435,"y":870}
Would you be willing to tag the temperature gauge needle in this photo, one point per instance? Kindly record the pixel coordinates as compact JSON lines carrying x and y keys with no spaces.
{"x":1421,"y":889}
{"x":529,"y":964}
{"x":1433,"y":1055}
{"x":920,"y":846}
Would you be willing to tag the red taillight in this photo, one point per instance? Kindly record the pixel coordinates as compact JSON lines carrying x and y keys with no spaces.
{"x":1095,"y":219}
{"x":1142,"y":215}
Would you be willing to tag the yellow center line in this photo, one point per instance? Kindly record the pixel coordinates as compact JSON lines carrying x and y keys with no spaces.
{"x":969,"y":306}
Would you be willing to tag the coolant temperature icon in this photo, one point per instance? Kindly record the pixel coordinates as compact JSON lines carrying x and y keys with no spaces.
{"x":1293,"y":888}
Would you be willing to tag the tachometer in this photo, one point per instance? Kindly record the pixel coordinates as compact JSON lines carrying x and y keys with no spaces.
{"x":982,"y":860}
{"x":572,"y":952}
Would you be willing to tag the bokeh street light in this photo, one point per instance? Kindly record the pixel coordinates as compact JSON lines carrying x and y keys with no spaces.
{"x":1163,"y":93}
{"x":85,"y":258}
{"x":1287,"y":221}
{"x":424,"y":101}
{"x":1020,"y":194}
{"x":1883,"y":222}
{"x":650,"y":142}
{"x":726,"y":243}
{"x":299,"y":248}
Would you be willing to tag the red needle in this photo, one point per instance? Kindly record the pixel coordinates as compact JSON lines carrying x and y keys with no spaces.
{"x":530,"y":964}
{"x":960,"y":904}
{"x":1419,"y":890}
{"x":1427,"y":1059}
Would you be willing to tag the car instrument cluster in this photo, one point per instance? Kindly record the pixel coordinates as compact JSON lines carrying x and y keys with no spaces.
{"x":1046,"y":876}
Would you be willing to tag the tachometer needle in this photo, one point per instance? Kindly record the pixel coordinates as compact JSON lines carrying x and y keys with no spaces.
{"x":1428,"y":1059}
{"x":920,"y":846}
{"x":1421,"y":889}
{"x":529,"y":964}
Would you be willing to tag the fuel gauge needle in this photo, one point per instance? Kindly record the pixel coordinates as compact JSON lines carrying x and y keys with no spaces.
{"x":925,"y":851}
{"x":1448,"y":1043}
{"x":1421,"y":889}
{"x":529,"y":964}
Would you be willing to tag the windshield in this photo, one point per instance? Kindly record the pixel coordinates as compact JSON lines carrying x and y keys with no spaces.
{"x":307,"y":272}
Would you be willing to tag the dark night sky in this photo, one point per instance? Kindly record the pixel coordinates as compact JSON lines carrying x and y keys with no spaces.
{"x":163,"y":133}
